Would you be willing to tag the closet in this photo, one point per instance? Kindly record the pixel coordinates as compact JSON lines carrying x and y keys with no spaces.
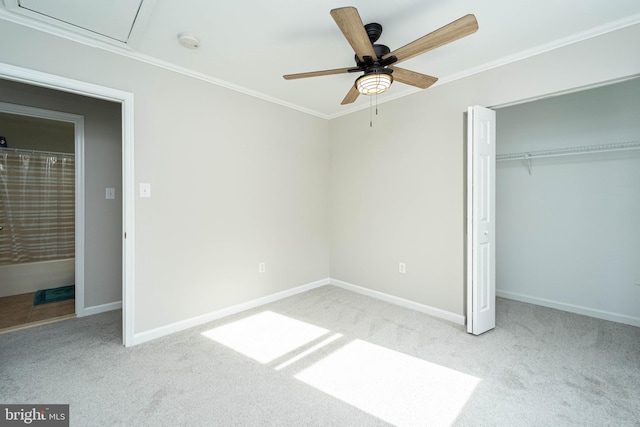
{"x":568,"y":202}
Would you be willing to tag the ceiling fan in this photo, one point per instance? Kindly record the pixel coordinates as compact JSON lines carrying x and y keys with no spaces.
{"x":377,"y":61}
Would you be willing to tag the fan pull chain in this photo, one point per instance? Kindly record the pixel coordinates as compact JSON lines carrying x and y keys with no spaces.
{"x":371,"y":109}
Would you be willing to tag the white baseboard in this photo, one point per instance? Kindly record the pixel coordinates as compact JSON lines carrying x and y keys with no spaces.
{"x":432,"y":311}
{"x":172,"y":328}
{"x":97,"y":309}
{"x":587,"y":311}
{"x":182,"y":325}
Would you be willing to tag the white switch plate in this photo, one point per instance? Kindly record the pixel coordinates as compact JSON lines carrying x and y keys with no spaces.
{"x":145,"y":189}
{"x":110,"y":193}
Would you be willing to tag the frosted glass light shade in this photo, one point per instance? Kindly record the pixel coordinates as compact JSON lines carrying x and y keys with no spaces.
{"x":372,"y":84}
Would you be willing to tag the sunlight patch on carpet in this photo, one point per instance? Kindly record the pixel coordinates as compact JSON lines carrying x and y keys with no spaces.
{"x":265,"y":336}
{"x":395,"y":387}
{"x":309,"y":351}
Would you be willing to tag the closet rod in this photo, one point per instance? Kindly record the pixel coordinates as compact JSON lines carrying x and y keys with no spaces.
{"x":27,"y":151}
{"x":621,"y":146}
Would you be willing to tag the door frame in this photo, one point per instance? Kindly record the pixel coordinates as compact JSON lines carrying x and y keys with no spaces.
{"x":469,"y":182}
{"x":78,"y":129}
{"x":50,"y":81}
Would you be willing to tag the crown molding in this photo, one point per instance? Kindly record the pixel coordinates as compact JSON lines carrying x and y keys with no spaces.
{"x":126,"y":50}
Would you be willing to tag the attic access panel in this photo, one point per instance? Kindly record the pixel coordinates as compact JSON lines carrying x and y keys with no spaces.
{"x":113,"y":19}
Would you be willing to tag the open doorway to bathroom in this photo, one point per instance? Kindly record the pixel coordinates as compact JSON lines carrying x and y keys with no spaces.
{"x":38,"y":176}
{"x":105,"y":263}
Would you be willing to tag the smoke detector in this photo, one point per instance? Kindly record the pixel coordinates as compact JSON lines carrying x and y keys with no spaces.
{"x":188,"y":40}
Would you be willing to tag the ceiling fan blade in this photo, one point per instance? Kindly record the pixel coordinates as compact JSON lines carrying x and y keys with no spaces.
{"x":351,"y":96}
{"x":451,"y":32}
{"x":317,"y":73}
{"x":412,"y":78}
{"x":350,"y":23}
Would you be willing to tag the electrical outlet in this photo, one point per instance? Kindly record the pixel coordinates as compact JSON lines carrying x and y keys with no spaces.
{"x":402,"y":268}
{"x":637,"y":281}
{"x":262,"y":267}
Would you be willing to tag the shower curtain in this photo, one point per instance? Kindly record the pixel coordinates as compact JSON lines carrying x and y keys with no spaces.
{"x":37,"y":206}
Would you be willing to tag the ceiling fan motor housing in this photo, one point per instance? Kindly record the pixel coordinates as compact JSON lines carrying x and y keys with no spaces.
{"x":376,"y":69}
{"x":380,"y":50}
{"x":374,"y":30}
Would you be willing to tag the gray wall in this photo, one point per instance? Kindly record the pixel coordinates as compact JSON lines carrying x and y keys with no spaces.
{"x":35,"y":133}
{"x":103,"y":168}
{"x":569,"y":234}
{"x":235,"y":181}
{"x":398,"y":189}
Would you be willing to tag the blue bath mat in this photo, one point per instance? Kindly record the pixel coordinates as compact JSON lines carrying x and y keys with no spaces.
{"x":56,"y":294}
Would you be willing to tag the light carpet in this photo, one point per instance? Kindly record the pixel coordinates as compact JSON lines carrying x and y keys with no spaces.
{"x":336,"y":358}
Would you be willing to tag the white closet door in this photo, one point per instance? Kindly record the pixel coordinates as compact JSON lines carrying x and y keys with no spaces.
{"x":481,"y":202}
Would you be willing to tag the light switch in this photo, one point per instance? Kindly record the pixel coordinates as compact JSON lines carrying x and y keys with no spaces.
{"x":145,"y":189}
{"x":110,"y":193}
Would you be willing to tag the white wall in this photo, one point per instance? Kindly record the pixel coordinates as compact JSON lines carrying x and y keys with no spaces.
{"x":234,"y":181}
{"x":397,"y":189}
{"x":568,"y":235}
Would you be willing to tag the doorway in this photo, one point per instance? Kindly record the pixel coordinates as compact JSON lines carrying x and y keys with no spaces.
{"x":39,"y":237}
{"x":99,"y":298}
{"x":568,"y":193}
{"x":567,"y":188}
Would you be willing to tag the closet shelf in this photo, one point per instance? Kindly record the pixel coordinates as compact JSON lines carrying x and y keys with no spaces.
{"x":602,"y":148}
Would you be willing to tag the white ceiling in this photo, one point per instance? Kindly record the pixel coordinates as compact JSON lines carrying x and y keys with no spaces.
{"x":249,"y":44}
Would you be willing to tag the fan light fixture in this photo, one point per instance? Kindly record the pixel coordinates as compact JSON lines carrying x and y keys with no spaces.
{"x":373,"y":83}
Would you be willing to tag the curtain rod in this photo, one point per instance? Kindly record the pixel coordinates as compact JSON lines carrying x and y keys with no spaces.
{"x":602,"y":148}
{"x":26,"y":151}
